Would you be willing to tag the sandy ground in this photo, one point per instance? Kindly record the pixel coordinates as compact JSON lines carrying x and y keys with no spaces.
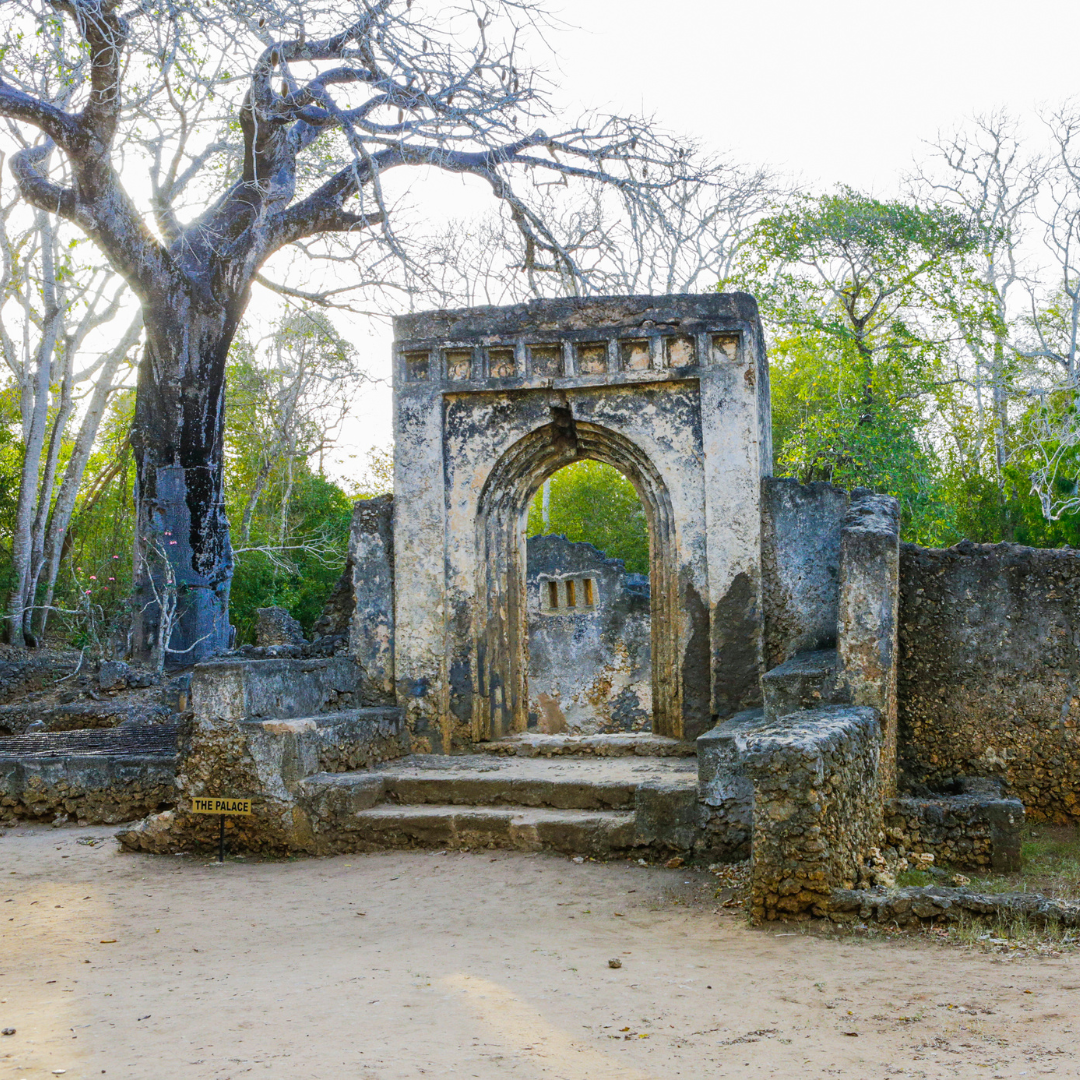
{"x":487,"y":964}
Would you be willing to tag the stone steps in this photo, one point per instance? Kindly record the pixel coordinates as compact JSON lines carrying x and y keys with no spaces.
{"x":578,"y":805}
{"x":640,"y":744}
{"x":561,"y":783}
{"x":808,"y":680}
{"x":572,"y":832}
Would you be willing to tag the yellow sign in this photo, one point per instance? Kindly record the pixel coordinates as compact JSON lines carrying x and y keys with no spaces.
{"x":221,"y":806}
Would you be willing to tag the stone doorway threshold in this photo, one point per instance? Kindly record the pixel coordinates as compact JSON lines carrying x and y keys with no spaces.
{"x":640,"y":744}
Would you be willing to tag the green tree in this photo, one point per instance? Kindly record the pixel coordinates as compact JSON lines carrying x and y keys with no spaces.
{"x":288,"y":398}
{"x":852,"y":291}
{"x":593,"y":502}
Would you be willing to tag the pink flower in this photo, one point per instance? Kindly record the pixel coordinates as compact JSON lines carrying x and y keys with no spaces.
{"x":116,"y":556}
{"x":112,"y":579}
{"x":93,"y":577}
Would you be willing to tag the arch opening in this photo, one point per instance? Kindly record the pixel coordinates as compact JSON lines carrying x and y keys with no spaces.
{"x":587,"y":597}
{"x":501,"y":698}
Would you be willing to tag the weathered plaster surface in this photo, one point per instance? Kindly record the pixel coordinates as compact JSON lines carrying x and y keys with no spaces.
{"x":867,"y":614}
{"x":800,"y":559}
{"x":371,"y":627}
{"x":488,"y":402}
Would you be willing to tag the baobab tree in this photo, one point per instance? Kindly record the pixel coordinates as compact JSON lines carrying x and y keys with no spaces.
{"x":198,"y":138}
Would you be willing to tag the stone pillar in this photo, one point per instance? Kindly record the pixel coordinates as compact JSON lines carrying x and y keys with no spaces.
{"x":371,"y":629}
{"x":737,"y":444}
{"x":420,"y":548}
{"x":867,"y":617}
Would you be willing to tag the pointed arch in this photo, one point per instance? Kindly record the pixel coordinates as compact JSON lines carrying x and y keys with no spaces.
{"x":500,"y":701}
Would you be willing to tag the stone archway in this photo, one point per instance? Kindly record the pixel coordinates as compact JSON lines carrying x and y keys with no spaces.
{"x":500,"y":706}
{"x":671,"y":390}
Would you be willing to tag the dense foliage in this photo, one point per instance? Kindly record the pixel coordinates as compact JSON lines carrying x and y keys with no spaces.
{"x":593,"y":502}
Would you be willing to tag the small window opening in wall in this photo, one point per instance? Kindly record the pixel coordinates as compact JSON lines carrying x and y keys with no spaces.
{"x":571,"y":599}
{"x":587,"y":587}
{"x":553,"y":594}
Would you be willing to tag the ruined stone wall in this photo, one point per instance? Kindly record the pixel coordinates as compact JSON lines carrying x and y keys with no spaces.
{"x":589,"y":668}
{"x":800,"y":565}
{"x":967,"y":832}
{"x":817,"y":807}
{"x":361,"y":606}
{"x":988,"y":681}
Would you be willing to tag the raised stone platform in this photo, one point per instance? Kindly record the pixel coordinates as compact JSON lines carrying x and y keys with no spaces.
{"x":96,"y":776}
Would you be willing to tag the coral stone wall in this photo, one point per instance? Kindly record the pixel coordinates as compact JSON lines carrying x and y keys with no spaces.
{"x":968,"y":832}
{"x":817,"y":807}
{"x":92,"y":778}
{"x":589,"y":669}
{"x":990,"y":670}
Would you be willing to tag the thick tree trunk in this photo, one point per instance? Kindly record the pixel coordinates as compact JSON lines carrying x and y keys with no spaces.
{"x":182,"y":549}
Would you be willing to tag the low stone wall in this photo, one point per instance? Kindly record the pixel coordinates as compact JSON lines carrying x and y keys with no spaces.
{"x":817,"y":807}
{"x":989,"y":681}
{"x":968,"y":832}
{"x":265,"y":761}
{"x":24,"y":671}
{"x":937,"y":904}
{"x":86,"y":776}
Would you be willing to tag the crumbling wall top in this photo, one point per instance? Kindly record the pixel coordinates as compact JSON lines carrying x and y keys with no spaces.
{"x":573,"y":340}
{"x":572,"y":314}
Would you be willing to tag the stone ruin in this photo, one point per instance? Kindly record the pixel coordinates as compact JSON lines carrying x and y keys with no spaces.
{"x":589,"y":639}
{"x":794,"y":684}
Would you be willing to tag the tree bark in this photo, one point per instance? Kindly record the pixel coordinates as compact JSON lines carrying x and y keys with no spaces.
{"x":35,"y":401}
{"x":178,"y":440}
{"x":64,"y":507}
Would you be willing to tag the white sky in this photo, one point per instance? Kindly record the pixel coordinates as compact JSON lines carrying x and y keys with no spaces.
{"x":830,"y":91}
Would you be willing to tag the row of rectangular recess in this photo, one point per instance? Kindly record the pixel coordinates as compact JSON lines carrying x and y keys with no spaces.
{"x":557,"y":596}
{"x":548,"y":360}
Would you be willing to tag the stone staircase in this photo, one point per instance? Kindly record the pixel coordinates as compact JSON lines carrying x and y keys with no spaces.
{"x":809,"y":680}
{"x":590,"y":803}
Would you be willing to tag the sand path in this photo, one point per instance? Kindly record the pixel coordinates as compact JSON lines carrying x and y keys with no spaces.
{"x":485,"y":964}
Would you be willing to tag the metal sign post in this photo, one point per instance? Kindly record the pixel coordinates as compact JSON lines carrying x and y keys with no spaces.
{"x":221,"y":807}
